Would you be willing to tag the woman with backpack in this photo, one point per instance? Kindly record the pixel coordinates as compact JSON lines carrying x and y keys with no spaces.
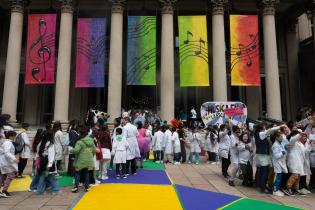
{"x":8,"y":163}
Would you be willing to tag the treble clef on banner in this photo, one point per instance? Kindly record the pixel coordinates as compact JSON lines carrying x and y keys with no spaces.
{"x":39,"y":52}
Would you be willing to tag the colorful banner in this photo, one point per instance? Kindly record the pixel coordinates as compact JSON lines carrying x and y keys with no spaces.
{"x":90,"y":54}
{"x":193,"y":51}
{"x":40,"y":49}
{"x":245,"y":66}
{"x":141,"y":50}
{"x":218,"y":113}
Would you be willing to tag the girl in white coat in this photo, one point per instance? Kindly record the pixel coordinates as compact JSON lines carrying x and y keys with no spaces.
{"x":169,"y":145}
{"x":296,"y":161}
{"x":195,"y":140}
{"x":279,"y":155}
{"x":177,"y":151}
{"x":26,"y":152}
{"x":234,"y":153}
{"x":59,"y":144}
{"x":224,"y":149}
{"x":8,"y":163}
{"x":245,"y":151}
{"x":211,"y":144}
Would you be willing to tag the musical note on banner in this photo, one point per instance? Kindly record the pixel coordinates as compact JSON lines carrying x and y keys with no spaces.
{"x":147,"y":65}
{"x":187,"y":38}
{"x":201,"y":41}
{"x":42,"y":52}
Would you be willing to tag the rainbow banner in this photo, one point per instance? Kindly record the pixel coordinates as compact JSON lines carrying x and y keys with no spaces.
{"x":193,"y":51}
{"x":40,"y":49}
{"x":245,"y":66}
{"x":90,"y":53}
{"x":141,"y":50}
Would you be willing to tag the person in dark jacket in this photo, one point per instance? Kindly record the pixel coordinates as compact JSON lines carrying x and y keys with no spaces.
{"x":73,"y":138}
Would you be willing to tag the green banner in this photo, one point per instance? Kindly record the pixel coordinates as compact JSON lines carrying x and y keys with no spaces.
{"x":193,"y":51}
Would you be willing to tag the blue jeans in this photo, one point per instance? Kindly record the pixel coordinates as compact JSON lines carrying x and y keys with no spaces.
{"x":85,"y":173}
{"x":44,"y":182}
{"x":35,"y":181}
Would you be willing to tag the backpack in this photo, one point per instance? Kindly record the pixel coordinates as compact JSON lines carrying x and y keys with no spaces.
{"x":19,"y":143}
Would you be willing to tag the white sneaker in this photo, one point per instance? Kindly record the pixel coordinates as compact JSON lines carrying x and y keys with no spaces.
{"x":301,"y":192}
{"x":213,"y":163}
{"x":104,"y":177}
{"x":278,"y":193}
{"x":305,"y":191}
{"x":97,"y":182}
{"x":177,"y":163}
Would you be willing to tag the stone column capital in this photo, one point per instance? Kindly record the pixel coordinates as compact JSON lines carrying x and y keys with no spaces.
{"x":118,"y":6}
{"x":17,"y":5}
{"x":268,"y":7}
{"x":168,"y":6}
{"x":67,"y":6}
{"x":217,"y":6}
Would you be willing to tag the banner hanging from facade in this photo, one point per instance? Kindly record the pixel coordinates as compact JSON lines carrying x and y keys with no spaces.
{"x":218,"y":113}
{"x":40,"y":49}
{"x":193,"y":51}
{"x":90,"y":53}
{"x":245,"y":66}
{"x":141,"y":50}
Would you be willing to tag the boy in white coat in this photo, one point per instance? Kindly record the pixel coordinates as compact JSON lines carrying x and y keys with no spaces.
{"x":279,"y":155}
{"x":119,"y":150}
{"x":157,"y":145}
{"x":169,"y":145}
{"x":177,"y":151}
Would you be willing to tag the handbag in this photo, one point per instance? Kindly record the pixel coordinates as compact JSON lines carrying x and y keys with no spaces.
{"x":106,"y":153}
{"x":99,"y":155}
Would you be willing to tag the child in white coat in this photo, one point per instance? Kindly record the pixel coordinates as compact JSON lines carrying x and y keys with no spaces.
{"x":211,"y":145}
{"x":176,"y":142}
{"x":157,"y":145}
{"x":119,"y":150}
{"x":8,"y":163}
{"x":279,"y":155}
{"x":168,"y":145}
{"x":244,"y":148}
{"x":195,"y":139}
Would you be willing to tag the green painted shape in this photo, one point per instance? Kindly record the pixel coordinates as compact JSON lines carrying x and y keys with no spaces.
{"x":65,"y":181}
{"x":152,"y":165}
{"x":250,"y":204}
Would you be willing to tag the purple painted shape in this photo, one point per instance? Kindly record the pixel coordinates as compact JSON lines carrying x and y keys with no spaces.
{"x":90,"y":53}
{"x":195,"y":199}
{"x":157,"y":177}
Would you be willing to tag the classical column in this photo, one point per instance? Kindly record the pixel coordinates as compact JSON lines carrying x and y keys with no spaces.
{"x":115,"y":60}
{"x":218,"y":49}
{"x":61,"y":112}
{"x":313,"y":15}
{"x":167,"y":91}
{"x":273,"y":97}
{"x":293,"y":67}
{"x":13,"y":62}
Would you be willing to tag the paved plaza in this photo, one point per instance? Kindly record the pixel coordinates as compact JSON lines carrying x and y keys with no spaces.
{"x":203,"y":176}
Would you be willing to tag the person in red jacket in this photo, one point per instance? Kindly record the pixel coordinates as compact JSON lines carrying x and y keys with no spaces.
{"x":105,"y":145}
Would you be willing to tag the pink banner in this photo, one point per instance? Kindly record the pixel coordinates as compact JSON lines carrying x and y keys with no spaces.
{"x":234,"y":112}
{"x":40,"y":51}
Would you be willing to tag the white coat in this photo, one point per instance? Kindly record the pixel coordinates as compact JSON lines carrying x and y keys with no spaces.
{"x":130,"y":132}
{"x":7,"y":158}
{"x":224,"y":144}
{"x":168,"y":143}
{"x":296,"y":156}
{"x":211,"y":145}
{"x":50,"y":152}
{"x":195,"y":140}
{"x":244,"y":154}
{"x":307,"y":163}
{"x":59,"y":145}
{"x":234,"y":141}
{"x":119,"y":149}
{"x":26,"y":152}
{"x":157,"y":141}
{"x":278,"y":158}
{"x":175,"y":140}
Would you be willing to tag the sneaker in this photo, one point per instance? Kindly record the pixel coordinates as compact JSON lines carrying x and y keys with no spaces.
{"x":104,"y":177}
{"x":118,"y":177}
{"x":20,"y":177}
{"x":288,"y":192}
{"x":305,"y":191}
{"x":177,"y":163}
{"x":124,"y":177}
{"x":80,"y":184}
{"x":97,"y":182}
{"x":231,"y":183}
{"x":213,"y":163}
{"x":5,"y":194}
{"x":189,"y":162}
{"x":278,"y":193}
{"x":134,"y":174}
{"x":197,"y":163}
{"x":141,"y":166}
{"x":86,"y":189}
{"x":301,"y":193}
{"x":74,"y":190}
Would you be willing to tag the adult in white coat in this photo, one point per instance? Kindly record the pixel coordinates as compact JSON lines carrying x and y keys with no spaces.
{"x":26,"y":152}
{"x":130,"y":132}
{"x":195,"y":140}
{"x":234,"y":141}
{"x":8,"y":163}
{"x":224,"y":148}
{"x":168,"y":145}
{"x":296,"y":161}
{"x":279,"y":155}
